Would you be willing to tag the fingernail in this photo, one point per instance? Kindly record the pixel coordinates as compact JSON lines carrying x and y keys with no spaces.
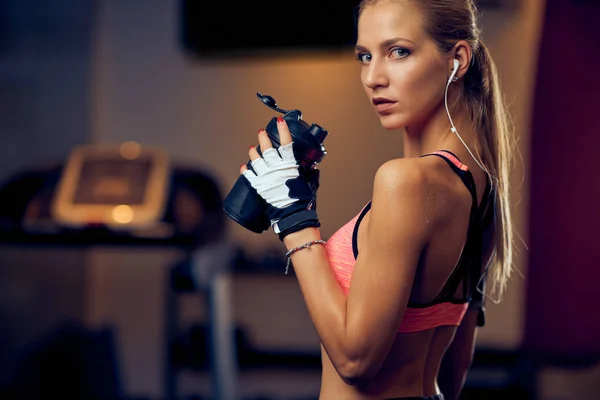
{"x":242,"y":166}
{"x":279,"y":119}
{"x":250,"y":148}
{"x":261,"y":130}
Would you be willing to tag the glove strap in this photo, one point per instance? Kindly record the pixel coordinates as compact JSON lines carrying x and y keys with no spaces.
{"x":296,"y":222}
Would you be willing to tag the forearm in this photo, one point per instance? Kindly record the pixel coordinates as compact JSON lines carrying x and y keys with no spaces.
{"x":324,"y":298}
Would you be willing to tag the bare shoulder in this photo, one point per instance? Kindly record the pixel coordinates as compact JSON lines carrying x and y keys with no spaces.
{"x":425,"y":185}
{"x":405,"y":177}
{"x":398,"y":175}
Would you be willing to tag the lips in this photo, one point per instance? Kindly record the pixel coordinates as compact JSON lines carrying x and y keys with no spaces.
{"x":380,"y":100}
{"x":382,"y":104}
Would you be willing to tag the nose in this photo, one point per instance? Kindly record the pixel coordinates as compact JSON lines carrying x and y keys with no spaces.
{"x":374,"y":75}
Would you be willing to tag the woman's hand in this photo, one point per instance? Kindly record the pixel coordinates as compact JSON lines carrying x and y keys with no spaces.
{"x":277,"y":179}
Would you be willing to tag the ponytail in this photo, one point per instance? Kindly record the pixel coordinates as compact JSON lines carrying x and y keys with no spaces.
{"x":490,"y":116}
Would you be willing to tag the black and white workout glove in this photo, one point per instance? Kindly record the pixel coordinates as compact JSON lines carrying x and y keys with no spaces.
{"x":289,"y":194}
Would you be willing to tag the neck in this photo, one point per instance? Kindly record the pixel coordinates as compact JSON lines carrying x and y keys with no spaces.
{"x":435,"y":133}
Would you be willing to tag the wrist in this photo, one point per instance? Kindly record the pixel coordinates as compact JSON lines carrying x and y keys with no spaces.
{"x":300,"y":237}
{"x":296,"y":221}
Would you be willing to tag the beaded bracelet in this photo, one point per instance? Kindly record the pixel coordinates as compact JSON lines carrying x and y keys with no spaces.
{"x":295,"y":249}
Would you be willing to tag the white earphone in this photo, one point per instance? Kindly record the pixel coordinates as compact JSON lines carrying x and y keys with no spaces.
{"x":454,"y":71}
{"x":454,"y":78}
{"x":450,"y":80}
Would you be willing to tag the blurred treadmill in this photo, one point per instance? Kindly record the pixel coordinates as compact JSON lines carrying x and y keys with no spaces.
{"x":132,"y":195}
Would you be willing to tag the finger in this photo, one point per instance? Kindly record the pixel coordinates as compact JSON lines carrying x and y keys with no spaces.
{"x":287,"y":152}
{"x":264,"y":141}
{"x":249,"y":175}
{"x":285,"y":137}
{"x":258,"y":164}
{"x":253,"y":153}
{"x":271,"y":156}
{"x":244,"y":170}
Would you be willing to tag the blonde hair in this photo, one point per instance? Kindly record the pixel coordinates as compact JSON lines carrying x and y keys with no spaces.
{"x":447,"y":22}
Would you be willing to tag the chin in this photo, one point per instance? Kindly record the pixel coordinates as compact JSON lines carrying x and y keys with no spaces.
{"x":392,"y":122}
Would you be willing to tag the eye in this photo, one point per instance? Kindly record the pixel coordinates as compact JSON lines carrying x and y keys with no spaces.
{"x":364,"y":58}
{"x":399,"y":52}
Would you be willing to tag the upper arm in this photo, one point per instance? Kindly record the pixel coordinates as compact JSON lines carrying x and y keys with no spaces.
{"x":399,"y":227}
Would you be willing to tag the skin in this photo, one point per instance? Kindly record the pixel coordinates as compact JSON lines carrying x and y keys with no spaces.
{"x":411,"y":238}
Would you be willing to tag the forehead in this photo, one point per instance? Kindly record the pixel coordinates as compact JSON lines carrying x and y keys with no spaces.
{"x":390,"y":18}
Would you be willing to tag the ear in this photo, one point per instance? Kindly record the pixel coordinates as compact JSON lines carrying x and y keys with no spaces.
{"x":463,"y":53}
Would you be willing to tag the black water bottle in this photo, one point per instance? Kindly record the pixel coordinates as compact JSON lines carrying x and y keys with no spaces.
{"x":242,"y":203}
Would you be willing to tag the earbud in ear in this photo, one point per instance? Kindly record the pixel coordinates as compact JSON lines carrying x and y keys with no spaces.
{"x":453,"y":77}
{"x":456,"y":64}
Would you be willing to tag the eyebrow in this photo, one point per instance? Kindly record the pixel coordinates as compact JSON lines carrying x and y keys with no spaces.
{"x":385,"y":44}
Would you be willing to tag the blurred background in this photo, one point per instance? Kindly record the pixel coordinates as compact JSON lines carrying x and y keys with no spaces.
{"x":194,"y":306}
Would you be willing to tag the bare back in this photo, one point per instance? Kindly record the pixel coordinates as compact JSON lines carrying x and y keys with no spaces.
{"x":412,"y":365}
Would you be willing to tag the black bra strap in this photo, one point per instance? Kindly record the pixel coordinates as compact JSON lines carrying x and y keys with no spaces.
{"x":355,"y":230}
{"x":463,"y":269}
{"x":465,"y":175}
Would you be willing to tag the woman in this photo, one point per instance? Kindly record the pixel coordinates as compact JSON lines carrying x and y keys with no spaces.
{"x":388,"y":291}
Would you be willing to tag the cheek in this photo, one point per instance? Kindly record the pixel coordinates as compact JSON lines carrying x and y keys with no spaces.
{"x":363,"y":75}
{"x":420,"y":90}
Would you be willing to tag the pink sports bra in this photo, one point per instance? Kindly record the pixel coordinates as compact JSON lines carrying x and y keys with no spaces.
{"x":446,"y":309}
